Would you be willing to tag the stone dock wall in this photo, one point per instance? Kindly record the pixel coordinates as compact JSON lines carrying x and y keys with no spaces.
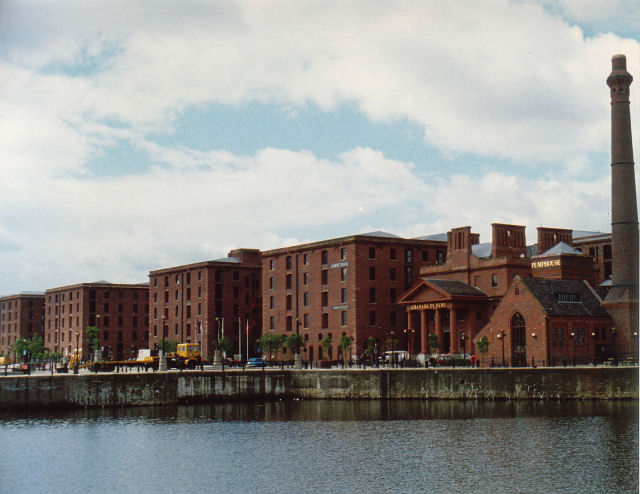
{"x":169,"y":388}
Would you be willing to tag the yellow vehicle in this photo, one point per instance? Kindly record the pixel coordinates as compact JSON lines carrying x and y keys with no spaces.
{"x":6,"y":360}
{"x":75,"y":358}
{"x":186,"y":356}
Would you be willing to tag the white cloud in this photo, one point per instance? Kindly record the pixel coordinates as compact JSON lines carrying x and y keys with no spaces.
{"x":496,"y":79}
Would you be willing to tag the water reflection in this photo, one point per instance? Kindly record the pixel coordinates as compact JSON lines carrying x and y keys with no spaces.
{"x":336,"y":410}
{"x":327,"y":446}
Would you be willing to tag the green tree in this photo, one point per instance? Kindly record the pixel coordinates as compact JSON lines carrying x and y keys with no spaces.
{"x":434,"y":342}
{"x":93,"y":337}
{"x":345,"y":344}
{"x":326,"y":346}
{"x":370,"y":346}
{"x":169,"y":346}
{"x":20,"y":347}
{"x":224,"y":345}
{"x":35,"y":347}
{"x":483,"y":345}
{"x":292,"y":341}
{"x":270,"y":343}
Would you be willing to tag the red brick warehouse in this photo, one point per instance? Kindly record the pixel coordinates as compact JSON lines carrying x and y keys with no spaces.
{"x":203,"y":301}
{"x":343,"y":286}
{"x":21,"y":316}
{"x":119,"y":311}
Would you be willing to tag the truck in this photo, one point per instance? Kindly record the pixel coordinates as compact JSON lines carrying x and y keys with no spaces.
{"x":186,"y":356}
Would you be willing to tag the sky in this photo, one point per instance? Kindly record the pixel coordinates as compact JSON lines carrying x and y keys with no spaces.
{"x":142,"y":135}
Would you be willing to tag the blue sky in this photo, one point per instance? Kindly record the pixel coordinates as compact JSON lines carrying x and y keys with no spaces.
{"x":145,"y":135}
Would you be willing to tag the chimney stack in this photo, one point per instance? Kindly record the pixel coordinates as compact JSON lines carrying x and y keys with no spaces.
{"x":622,"y":300}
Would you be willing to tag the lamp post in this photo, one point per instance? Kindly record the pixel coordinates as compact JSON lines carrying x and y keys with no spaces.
{"x":463,"y":336}
{"x":217,"y":357}
{"x":573,"y":337}
{"x":297,"y":359}
{"x":96,"y":350}
{"x":162,"y":364}
{"x":75,"y":368}
{"x":500,"y":336}
{"x":613,"y":336}
{"x":595,"y":348}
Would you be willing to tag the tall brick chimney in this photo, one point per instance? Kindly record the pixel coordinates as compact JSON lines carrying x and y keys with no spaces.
{"x":622,"y":300}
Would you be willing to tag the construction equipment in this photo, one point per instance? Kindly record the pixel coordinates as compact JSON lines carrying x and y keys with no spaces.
{"x":186,"y":356}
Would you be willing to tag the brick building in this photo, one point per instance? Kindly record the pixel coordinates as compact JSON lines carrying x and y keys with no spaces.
{"x":204,"y":301}
{"x":119,"y":311}
{"x":21,"y":316}
{"x":344,"y":286}
{"x":597,"y":246}
{"x":548,"y":322}
{"x":456,"y":299}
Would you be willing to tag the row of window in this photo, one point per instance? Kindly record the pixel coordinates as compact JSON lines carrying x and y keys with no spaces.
{"x":289,"y":322}
{"x":218,"y":277}
{"x":324,"y":257}
{"x":558,"y":335}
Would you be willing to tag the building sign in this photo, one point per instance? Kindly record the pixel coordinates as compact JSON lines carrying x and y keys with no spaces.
{"x":340,"y":307}
{"x":341,"y":264}
{"x":430,"y":305}
{"x":545,"y":264}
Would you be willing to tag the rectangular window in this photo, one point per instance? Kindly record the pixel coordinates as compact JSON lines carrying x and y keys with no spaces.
{"x":494,"y":280}
{"x":325,"y":322}
{"x":372,"y":295}
{"x":305,"y":299}
{"x":372,"y":273}
{"x":324,"y":255}
{"x":392,"y":296}
{"x":288,"y":262}
{"x":425,"y":256}
{"x":561,"y":336}
{"x":305,"y":259}
{"x":288,"y":302}
{"x":440,"y":257}
{"x":343,"y":253}
{"x":272,"y":264}
{"x":343,"y":318}
{"x":408,"y":256}
{"x":305,"y":321}
{"x":392,"y":274}
{"x":305,"y":279}
{"x":408,"y":275}
{"x":271,"y":283}
{"x":343,"y":297}
{"x":288,"y":282}
{"x":372,"y":252}
{"x":325,"y":299}
{"x":372,"y":317}
{"x":343,"y":274}
{"x":271,"y":322}
{"x":392,"y":254}
{"x":325,"y":276}
{"x":289,"y":323}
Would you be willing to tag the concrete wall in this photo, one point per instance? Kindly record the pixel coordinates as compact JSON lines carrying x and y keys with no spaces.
{"x":120,"y":390}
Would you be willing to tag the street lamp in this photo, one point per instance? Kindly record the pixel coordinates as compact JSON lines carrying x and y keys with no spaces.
{"x":595,"y":348}
{"x":96,"y":349}
{"x":297,"y":359}
{"x":75,"y":368}
{"x":463,"y":341}
{"x":613,"y":335}
{"x":162,"y":365}
{"x":500,"y":336}
{"x":573,"y":337}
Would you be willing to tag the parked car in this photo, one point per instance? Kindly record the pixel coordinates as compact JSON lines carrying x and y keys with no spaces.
{"x":256,"y":362}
